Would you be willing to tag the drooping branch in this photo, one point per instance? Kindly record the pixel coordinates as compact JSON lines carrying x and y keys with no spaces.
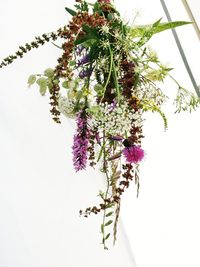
{"x":37,"y":42}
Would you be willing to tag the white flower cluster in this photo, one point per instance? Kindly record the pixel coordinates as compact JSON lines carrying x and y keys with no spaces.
{"x":150,"y":92}
{"x":103,"y":63}
{"x":116,"y":120}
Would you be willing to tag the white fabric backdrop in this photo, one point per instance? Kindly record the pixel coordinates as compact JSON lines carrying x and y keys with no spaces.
{"x":40,"y":195}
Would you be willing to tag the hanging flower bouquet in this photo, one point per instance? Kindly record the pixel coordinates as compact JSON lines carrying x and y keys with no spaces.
{"x":106,"y":79}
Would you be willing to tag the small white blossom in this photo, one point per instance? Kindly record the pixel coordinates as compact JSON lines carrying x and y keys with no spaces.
{"x":105,"y":44}
{"x":105,"y":29}
{"x":117,"y":35}
{"x":117,"y":57}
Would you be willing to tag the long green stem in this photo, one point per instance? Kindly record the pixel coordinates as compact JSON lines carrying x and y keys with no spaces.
{"x":109,"y":74}
{"x":179,"y":86}
{"x":106,"y":193}
{"x":104,"y":213}
{"x":115,"y":75}
{"x":102,"y":150}
{"x":171,"y":77}
{"x":116,"y":82}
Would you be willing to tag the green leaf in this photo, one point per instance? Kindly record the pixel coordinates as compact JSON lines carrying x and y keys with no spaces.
{"x":49,"y":73}
{"x":102,"y":228}
{"x":155,"y":24}
{"x":108,"y":235}
{"x":65,"y":84}
{"x":109,"y":214}
{"x":84,"y":39}
{"x":94,"y":50}
{"x":42,"y":82}
{"x":110,"y":205}
{"x":148,"y":33}
{"x":85,"y":6}
{"x":79,"y":95}
{"x":72,"y":63}
{"x":31,"y":80}
{"x":56,"y":81}
{"x":170,"y":25}
{"x":70,"y":11}
{"x":78,"y":7}
{"x":90,"y":43}
{"x":96,"y":7}
{"x":91,"y":34}
{"x":138,"y":31}
{"x":101,"y":151}
{"x":98,"y":87}
{"x":108,"y":223}
{"x":169,"y":69}
{"x":87,"y":29}
{"x":49,"y":85}
{"x":43,"y":89}
{"x":94,"y":110}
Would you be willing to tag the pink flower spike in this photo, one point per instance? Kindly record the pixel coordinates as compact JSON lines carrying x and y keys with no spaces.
{"x":81,"y":142}
{"x":133,"y":154}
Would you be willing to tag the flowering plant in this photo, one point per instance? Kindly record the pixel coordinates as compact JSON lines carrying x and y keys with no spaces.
{"x":106,"y":79}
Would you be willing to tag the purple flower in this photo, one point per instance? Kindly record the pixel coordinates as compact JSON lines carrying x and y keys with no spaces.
{"x":79,"y":49}
{"x":83,"y":60}
{"x":81,"y":142}
{"x":113,"y":105}
{"x":133,"y":154}
{"x":82,"y":74}
{"x":85,"y":73}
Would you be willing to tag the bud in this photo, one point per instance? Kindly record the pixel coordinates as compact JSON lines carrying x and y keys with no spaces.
{"x":117,"y":138}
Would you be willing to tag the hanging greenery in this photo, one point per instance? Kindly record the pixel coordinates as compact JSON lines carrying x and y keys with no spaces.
{"x":106,"y":79}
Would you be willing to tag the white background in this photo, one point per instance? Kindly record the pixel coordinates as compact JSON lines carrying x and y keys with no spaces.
{"x":195,"y":9}
{"x":39,"y":192}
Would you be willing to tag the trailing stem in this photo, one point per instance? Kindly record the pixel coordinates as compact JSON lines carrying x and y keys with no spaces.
{"x":39,"y":41}
{"x":105,"y":237}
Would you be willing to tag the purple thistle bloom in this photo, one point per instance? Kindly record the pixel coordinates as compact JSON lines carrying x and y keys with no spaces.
{"x":81,"y":142}
{"x":133,"y":154}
